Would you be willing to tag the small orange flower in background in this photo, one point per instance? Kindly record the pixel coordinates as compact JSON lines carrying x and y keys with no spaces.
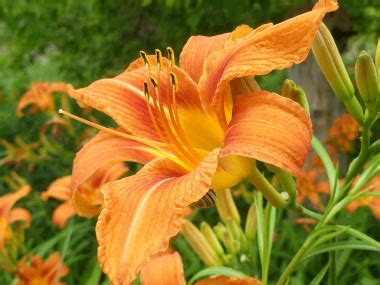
{"x":168,"y":269}
{"x":9,"y":215}
{"x":87,"y":200}
{"x":39,"y":272}
{"x":18,"y":151}
{"x":310,"y":184}
{"x":372,"y":202}
{"x":39,"y":97}
{"x":343,"y":133}
{"x":194,"y":130}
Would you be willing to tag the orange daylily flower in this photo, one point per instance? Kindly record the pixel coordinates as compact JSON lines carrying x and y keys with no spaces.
{"x":372,"y":202}
{"x":168,"y":269}
{"x":87,"y":200}
{"x":310,"y":185}
{"x":343,"y":133}
{"x":18,"y":151}
{"x":197,"y":127}
{"x":40,"y":97}
{"x":40,"y":272}
{"x":9,"y":215}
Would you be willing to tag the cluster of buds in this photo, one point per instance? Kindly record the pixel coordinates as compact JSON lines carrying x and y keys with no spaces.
{"x":226,"y":243}
{"x":366,"y":73}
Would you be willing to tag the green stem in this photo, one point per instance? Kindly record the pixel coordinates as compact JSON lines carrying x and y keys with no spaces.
{"x":375,"y":147}
{"x":358,"y":163}
{"x":288,"y":184}
{"x":269,"y":192}
{"x":355,"y":109}
{"x":332,"y":278}
{"x":295,"y":261}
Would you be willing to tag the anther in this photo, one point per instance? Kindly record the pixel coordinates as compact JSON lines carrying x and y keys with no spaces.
{"x":146,"y":89}
{"x":174,"y":81}
{"x":171,"y":56}
{"x":154,"y":82}
{"x":158,"y":58}
{"x":145,"y":58}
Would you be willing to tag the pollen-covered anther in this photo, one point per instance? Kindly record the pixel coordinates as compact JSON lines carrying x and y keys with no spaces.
{"x":144,"y":56}
{"x":158,"y":58}
{"x":173,"y":79}
{"x":154,"y":82}
{"x":171,"y":56}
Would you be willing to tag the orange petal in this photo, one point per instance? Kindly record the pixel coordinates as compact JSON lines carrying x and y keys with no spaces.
{"x":107,"y":173}
{"x":103,"y":149}
{"x":87,"y":198}
{"x":196,"y":51}
{"x":164,"y":269}
{"x":272,"y":47}
{"x":142,"y":212}
{"x":40,"y":96}
{"x":53,"y":268}
{"x":62,"y":213}
{"x":20,"y":214}
{"x":8,"y":200}
{"x":123,"y":99}
{"x":269,"y":128}
{"x":60,"y":189}
{"x":225,"y":280}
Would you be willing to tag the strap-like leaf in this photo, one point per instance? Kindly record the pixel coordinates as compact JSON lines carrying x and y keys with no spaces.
{"x":220,"y":270}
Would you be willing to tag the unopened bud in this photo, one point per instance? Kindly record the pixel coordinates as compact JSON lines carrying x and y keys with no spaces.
{"x":237,"y":233}
{"x":329,"y":60}
{"x":200,"y":245}
{"x":210,"y":236}
{"x":331,"y":64}
{"x":232,"y":245}
{"x":251,"y":223}
{"x":366,"y":79}
{"x":296,"y":93}
{"x":226,"y":206}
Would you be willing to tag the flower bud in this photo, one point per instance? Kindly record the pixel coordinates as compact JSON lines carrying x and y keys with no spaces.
{"x":200,"y":245}
{"x":296,"y":93}
{"x":329,"y":60}
{"x":238,"y":235}
{"x":251,"y":223}
{"x":331,"y":64}
{"x":366,"y":79}
{"x":210,"y":236}
{"x":224,"y":235}
{"x":226,"y":206}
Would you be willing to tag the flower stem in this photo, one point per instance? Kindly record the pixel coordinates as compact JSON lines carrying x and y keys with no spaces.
{"x":358,"y":163}
{"x":270,"y":193}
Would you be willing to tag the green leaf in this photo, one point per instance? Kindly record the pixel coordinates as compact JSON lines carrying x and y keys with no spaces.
{"x":47,"y":246}
{"x":220,"y":270}
{"x":361,"y":236}
{"x":371,"y":170}
{"x":260,"y":224}
{"x":269,"y":223}
{"x":319,"y":277}
{"x":92,"y":273}
{"x":328,"y":164}
{"x":330,"y":236}
{"x":340,"y":246}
